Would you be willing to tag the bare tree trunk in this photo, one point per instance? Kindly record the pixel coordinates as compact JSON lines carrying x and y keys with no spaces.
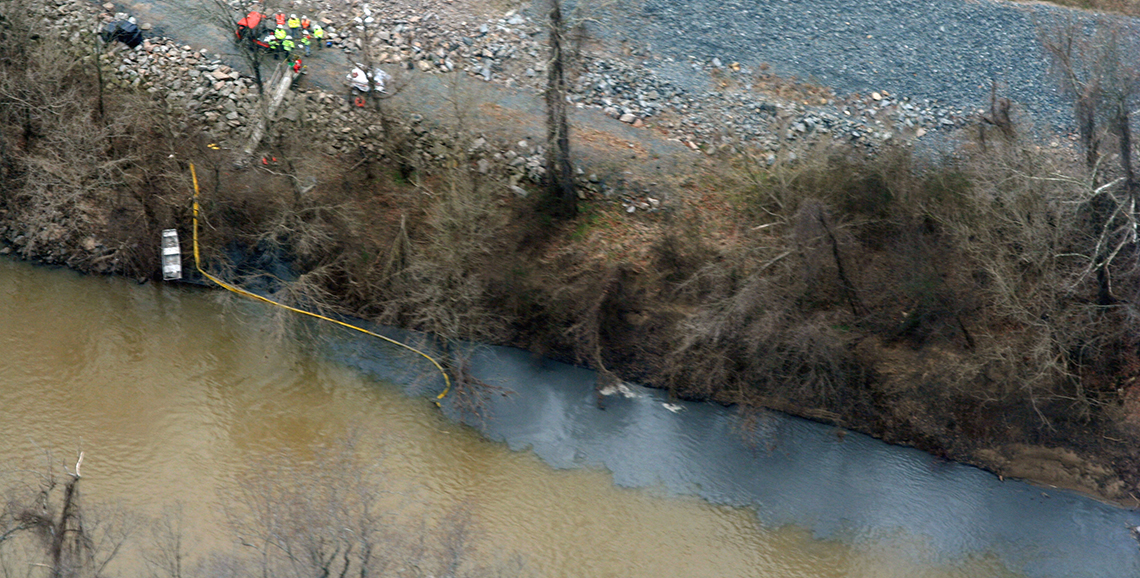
{"x":1104,"y":283}
{"x":1124,"y":132}
{"x":1085,"y":110}
{"x":99,"y":74}
{"x":256,"y":65}
{"x":561,"y":195}
{"x":845,"y":283}
{"x":71,"y":549}
{"x":280,"y":82}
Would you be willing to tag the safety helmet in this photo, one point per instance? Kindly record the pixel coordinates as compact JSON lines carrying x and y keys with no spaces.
{"x":292,"y":15}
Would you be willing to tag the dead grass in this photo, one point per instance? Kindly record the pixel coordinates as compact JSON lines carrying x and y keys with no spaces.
{"x":607,"y":142}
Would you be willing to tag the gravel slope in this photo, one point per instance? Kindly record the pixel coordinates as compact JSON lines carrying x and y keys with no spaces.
{"x":944,"y":50}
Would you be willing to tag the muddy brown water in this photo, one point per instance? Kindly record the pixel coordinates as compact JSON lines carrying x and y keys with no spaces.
{"x":174,"y":393}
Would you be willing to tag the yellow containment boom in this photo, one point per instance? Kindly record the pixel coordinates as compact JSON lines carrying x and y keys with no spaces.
{"x":243,"y":292}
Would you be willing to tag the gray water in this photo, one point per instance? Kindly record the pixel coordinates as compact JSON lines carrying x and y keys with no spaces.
{"x":792,"y":472}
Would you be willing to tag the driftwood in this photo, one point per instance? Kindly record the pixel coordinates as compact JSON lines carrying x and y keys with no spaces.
{"x":279,"y":84}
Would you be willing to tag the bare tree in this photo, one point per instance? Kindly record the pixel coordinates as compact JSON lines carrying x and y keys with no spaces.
{"x":1073,"y":62}
{"x":333,"y":515}
{"x":561,"y":196}
{"x":1120,"y":81}
{"x":1094,"y":62}
{"x":166,"y":555}
{"x":224,"y":16}
{"x":45,"y":526}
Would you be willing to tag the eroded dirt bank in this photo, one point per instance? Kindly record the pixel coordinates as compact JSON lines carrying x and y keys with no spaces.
{"x":917,"y":301}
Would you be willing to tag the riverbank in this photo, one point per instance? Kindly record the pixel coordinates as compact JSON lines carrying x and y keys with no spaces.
{"x":885,"y":294}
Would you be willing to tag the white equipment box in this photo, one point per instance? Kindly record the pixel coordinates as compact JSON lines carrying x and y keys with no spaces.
{"x":171,"y":256}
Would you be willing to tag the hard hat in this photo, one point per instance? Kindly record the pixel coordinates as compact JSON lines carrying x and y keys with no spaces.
{"x":292,"y":15}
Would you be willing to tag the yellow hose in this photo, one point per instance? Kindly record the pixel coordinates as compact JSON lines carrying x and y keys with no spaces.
{"x":243,"y":292}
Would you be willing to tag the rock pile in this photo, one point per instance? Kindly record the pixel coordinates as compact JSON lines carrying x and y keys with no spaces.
{"x":226,"y":104}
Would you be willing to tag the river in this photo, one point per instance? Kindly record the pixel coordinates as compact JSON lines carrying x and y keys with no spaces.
{"x":178,"y":395}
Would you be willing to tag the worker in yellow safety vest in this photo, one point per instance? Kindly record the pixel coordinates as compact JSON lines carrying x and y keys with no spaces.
{"x":294,"y":24}
{"x":319,"y":35}
{"x":307,"y":44}
{"x":278,"y":35}
{"x":274,"y":45}
{"x":287,"y":45}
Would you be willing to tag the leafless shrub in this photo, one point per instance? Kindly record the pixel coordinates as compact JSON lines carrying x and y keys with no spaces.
{"x":1021,"y":228}
{"x":435,"y":276}
{"x":593,"y":316}
{"x":332,"y":515}
{"x":757,"y":343}
{"x":681,"y":250}
{"x":469,"y":395}
{"x":46,"y":528}
{"x":79,"y":166}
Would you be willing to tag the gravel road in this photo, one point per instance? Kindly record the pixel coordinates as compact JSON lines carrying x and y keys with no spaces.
{"x":935,"y":59}
{"x":944,"y":50}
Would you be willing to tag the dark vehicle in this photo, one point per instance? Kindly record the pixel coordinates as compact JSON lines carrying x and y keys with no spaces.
{"x":122,"y":31}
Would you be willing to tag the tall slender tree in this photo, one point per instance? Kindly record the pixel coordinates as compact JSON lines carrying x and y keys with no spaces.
{"x":562,"y":198}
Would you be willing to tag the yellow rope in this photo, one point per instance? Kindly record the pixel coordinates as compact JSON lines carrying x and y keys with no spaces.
{"x":243,"y":292}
